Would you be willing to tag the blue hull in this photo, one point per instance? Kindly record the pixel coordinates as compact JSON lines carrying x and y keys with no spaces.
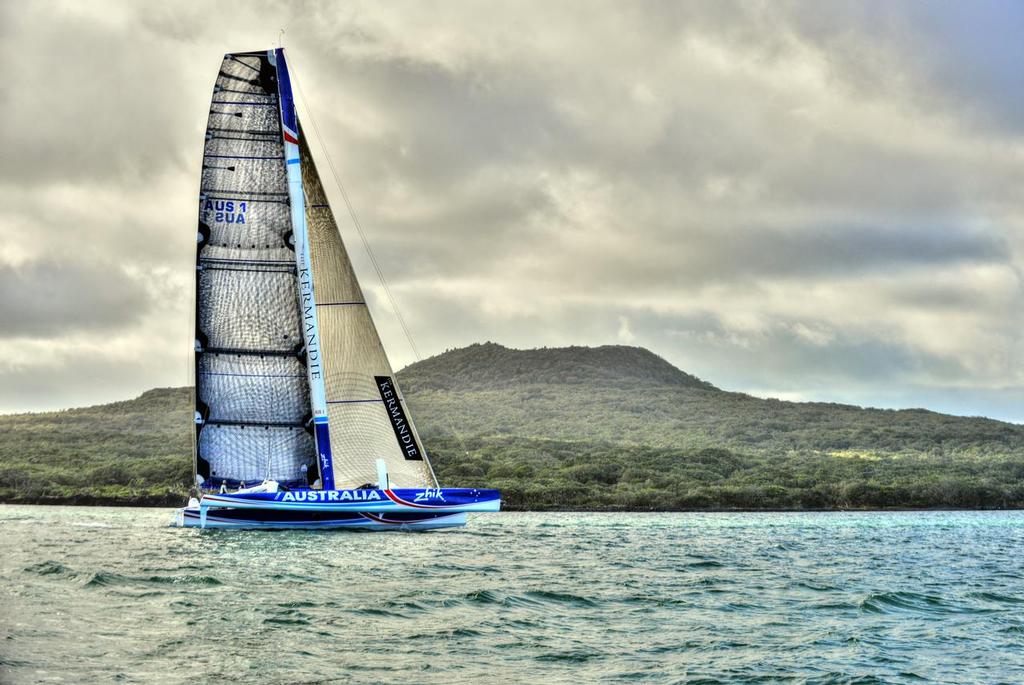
{"x":367,"y":509}
{"x":437,"y":500}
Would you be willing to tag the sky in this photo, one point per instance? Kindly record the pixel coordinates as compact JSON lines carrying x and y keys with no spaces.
{"x":804,"y":200}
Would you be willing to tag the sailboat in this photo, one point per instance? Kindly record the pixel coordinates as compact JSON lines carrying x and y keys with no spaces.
{"x":299,"y":419}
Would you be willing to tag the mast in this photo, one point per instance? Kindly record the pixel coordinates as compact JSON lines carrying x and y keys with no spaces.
{"x":307,"y":301}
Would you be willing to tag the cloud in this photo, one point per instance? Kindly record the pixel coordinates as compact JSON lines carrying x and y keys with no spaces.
{"x":816,"y":199}
{"x":48,"y":298}
{"x":625,"y":334}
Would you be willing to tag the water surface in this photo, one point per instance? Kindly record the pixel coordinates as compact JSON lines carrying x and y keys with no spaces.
{"x":96,"y":595}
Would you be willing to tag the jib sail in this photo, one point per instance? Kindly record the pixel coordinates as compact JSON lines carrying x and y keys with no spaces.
{"x":368,"y":417}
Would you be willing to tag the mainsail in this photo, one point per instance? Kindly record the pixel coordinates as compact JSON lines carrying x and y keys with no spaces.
{"x":292,"y":382}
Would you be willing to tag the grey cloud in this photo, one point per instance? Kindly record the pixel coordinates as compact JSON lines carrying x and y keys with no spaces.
{"x":693,"y":258}
{"x":952,"y":56}
{"x":48,"y":299}
{"x":821,"y":250}
{"x":787,"y":355}
{"x":83,"y":379}
{"x":538,"y":173}
{"x":87,"y":100}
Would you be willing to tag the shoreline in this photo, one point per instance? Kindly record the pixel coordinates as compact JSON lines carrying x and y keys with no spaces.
{"x":144,"y":502}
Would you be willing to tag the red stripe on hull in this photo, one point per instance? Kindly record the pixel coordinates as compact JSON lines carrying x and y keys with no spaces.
{"x":398,"y":500}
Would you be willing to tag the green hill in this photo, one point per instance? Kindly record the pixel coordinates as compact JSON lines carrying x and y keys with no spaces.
{"x":591,"y":428}
{"x":136,"y":452}
{"x":494,"y":367}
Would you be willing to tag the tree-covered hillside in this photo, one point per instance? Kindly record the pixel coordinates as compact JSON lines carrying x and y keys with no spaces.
{"x":138,"y":451}
{"x":600,"y":428}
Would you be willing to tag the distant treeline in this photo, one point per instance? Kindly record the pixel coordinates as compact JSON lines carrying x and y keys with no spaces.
{"x":134,"y":452}
{"x":546,"y":474}
{"x":612,"y":428}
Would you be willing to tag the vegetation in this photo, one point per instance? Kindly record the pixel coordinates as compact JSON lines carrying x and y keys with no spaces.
{"x":134,"y":452}
{"x":612,"y":428}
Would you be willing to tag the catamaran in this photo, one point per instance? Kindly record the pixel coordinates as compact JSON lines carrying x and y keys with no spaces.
{"x":299,"y":420}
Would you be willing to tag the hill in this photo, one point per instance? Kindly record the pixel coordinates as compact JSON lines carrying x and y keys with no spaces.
{"x":133,"y":452}
{"x":590,"y":428}
{"x":490,"y":366}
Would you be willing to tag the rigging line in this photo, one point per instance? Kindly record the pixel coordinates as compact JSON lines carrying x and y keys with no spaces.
{"x":373,"y":259}
{"x":359,"y":227}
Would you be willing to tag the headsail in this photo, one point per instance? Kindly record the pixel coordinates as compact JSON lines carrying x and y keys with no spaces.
{"x":368,"y":419}
{"x":252,"y":394}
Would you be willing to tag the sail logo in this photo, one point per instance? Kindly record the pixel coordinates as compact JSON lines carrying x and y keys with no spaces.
{"x":309,"y":324}
{"x":428,"y":494}
{"x":328,"y":496}
{"x":399,"y":422}
{"x":225,"y":211}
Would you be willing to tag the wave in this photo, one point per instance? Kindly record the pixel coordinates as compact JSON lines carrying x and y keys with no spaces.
{"x":531,"y":598}
{"x":904,"y":601}
{"x":108,"y":579}
{"x":997,"y":598}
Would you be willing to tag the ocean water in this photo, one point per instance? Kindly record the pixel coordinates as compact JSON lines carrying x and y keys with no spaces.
{"x":98,"y":595}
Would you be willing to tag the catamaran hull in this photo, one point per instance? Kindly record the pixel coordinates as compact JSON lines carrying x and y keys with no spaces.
{"x":408,"y":500}
{"x":416,"y":509}
{"x":276,"y":519}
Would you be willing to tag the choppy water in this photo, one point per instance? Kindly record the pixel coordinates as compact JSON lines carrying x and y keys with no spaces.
{"x":104,"y":595}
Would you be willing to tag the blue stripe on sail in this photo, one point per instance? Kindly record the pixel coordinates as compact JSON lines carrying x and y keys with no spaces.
{"x":284,"y":88}
{"x":320,"y":420}
{"x":293,"y":161}
{"x":323,"y":445}
{"x":336,"y":304}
